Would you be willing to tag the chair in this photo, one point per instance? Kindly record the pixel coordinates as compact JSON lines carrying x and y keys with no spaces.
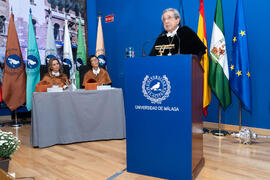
{"x":82,"y":70}
{"x":44,"y":70}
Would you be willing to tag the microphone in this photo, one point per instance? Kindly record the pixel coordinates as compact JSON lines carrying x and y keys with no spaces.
{"x":148,"y":41}
{"x":178,"y":43}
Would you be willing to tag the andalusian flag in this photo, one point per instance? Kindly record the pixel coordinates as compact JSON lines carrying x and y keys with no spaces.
{"x":50,"y":51}
{"x":33,"y":64}
{"x":239,"y":66}
{"x":100,"y":50}
{"x":81,"y":54}
{"x":204,"y":61}
{"x":218,"y":64}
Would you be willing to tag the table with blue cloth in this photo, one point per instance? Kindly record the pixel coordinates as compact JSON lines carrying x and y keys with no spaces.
{"x":77,"y":116}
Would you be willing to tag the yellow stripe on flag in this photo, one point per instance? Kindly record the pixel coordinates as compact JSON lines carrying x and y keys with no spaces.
{"x":204,"y":61}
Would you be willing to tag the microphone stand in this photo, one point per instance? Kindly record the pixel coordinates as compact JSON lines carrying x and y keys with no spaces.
{"x":148,"y":41}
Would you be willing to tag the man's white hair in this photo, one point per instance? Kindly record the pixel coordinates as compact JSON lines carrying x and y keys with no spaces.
{"x":175,"y":13}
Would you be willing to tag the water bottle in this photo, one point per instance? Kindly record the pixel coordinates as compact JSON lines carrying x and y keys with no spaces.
{"x":130,"y":52}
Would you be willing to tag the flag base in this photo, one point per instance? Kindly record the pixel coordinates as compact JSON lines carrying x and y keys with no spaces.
{"x":205,"y":130}
{"x":16,"y":125}
{"x":219,"y":132}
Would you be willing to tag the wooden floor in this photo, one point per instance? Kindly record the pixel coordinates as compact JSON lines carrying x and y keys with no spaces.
{"x":225,"y":160}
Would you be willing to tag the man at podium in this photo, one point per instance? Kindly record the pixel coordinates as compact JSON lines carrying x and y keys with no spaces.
{"x":175,"y":39}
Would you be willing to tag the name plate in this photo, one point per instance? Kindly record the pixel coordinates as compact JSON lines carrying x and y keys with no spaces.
{"x":55,"y":89}
{"x":104,"y":87}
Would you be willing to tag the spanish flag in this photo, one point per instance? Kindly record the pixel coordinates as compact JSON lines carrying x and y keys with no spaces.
{"x":204,"y":61}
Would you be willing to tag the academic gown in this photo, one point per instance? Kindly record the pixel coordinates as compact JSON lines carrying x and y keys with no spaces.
{"x":102,"y":77}
{"x":189,"y":43}
{"x":49,"y":80}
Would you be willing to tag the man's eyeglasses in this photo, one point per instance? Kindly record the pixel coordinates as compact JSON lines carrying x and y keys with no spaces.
{"x":168,"y":18}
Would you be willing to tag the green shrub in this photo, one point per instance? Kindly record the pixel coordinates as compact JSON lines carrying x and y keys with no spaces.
{"x":8,"y":144}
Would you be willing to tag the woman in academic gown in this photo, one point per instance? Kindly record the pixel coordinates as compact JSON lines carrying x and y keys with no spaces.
{"x":96,"y":73}
{"x":54,"y":77}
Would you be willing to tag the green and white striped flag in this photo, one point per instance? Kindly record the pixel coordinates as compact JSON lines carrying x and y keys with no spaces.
{"x":218,"y":64}
{"x":81,"y":54}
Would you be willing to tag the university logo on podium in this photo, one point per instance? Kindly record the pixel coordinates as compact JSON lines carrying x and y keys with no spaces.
{"x":156,"y":88}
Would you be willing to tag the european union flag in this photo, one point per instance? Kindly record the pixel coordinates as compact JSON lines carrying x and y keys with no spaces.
{"x":239,"y":67}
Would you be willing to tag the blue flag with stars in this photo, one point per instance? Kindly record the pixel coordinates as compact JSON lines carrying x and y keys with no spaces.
{"x":239,"y":67}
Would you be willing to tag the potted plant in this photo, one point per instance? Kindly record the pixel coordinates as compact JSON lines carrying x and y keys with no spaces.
{"x":8,"y":145}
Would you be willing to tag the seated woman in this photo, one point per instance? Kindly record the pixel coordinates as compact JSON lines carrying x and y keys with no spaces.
{"x":54,"y":77}
{"x":96,"y":73}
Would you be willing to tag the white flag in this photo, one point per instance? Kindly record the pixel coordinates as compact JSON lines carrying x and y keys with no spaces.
{"x":67,"y":56}
{"x":50,"y":51}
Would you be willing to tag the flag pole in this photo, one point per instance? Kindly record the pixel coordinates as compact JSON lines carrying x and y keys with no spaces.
{"x":16,"y":124}
{"x":240,"y":115}
{"x":219,"y":131}
{"x":219,"y":118}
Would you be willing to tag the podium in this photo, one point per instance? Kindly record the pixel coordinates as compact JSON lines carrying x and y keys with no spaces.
{"x":163,"y":104}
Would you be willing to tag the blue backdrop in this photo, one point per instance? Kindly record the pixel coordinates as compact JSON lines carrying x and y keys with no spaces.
{"x":137,"y":21}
